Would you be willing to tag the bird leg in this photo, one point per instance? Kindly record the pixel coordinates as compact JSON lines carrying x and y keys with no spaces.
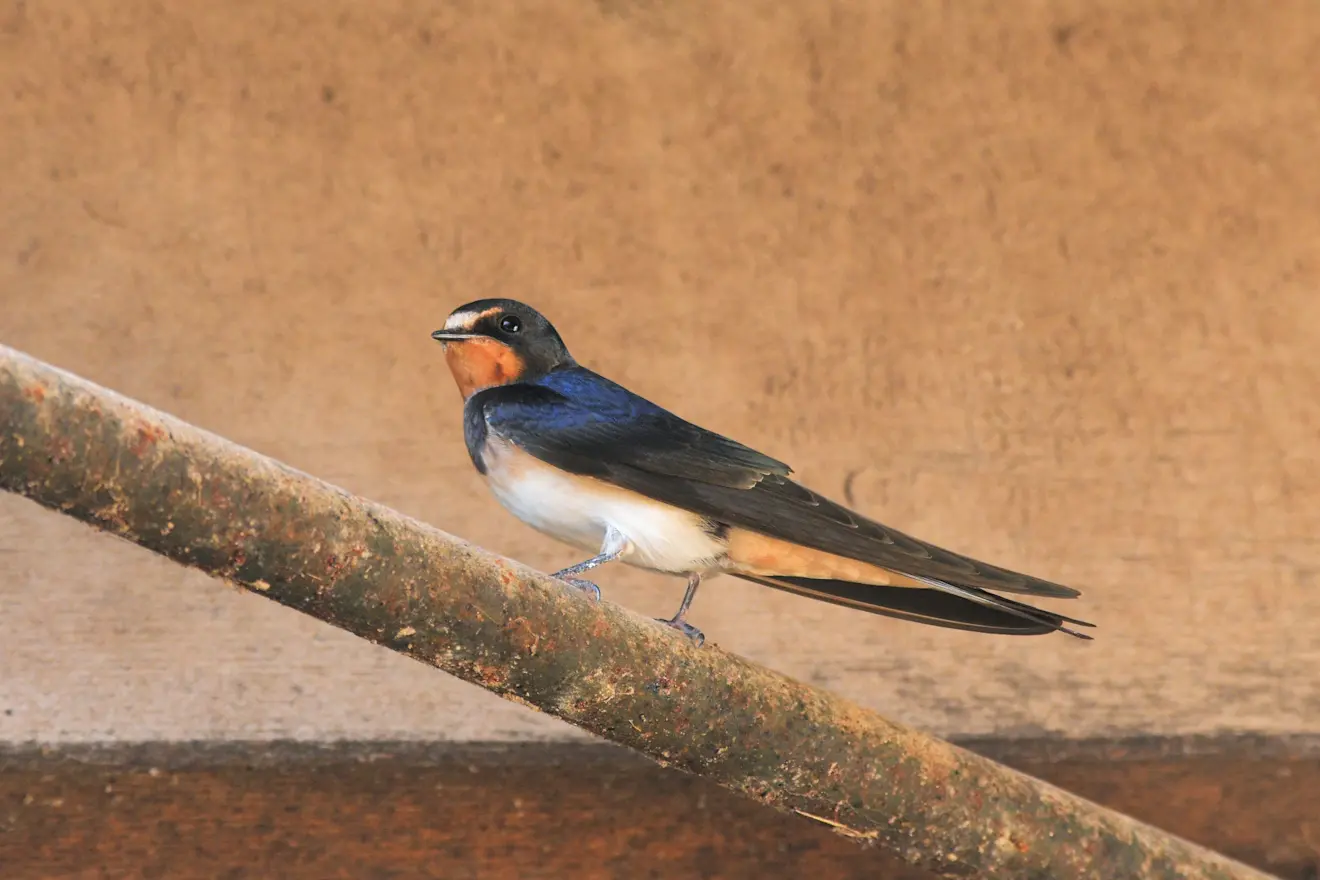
{"x":677,"y":621}
{"x":612,"y":547}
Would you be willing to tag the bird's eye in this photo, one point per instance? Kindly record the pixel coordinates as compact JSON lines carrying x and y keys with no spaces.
{"x":510,"y":324}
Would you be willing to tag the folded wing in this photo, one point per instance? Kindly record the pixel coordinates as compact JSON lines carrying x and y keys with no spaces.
{"x":583,"y":423}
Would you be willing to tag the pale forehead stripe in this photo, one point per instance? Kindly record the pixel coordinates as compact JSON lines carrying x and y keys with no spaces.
{"x":467,"y":320}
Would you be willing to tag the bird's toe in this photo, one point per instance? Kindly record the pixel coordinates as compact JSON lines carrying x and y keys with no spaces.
{"x":592,"y":591}
{"x":697,"y":637}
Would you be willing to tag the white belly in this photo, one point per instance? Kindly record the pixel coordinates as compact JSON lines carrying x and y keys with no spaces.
{"x":578,"y":510}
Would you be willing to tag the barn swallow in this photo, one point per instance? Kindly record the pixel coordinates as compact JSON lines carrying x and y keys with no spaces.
{"x":586,"y":461}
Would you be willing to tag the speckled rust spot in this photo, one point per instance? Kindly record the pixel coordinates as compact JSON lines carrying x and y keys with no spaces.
{"x":523,"y":635}
{"x":147,"y":435}
{"x":492,"y":676}
{"x":61,"y":451}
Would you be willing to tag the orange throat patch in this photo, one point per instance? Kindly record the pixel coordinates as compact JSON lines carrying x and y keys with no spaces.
{"x":482,"y":363}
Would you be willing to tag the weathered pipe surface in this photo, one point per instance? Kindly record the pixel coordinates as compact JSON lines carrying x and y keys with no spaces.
{"x":205,"y":502}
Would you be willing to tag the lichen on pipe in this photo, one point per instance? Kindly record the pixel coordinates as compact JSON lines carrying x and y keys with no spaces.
{"x":208,"y":503}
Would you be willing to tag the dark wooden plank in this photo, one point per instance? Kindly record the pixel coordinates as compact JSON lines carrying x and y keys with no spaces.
{"x":385,"y":811}
{"x":532,"y":812}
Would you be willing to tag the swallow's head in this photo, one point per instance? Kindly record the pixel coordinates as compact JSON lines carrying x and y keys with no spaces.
{"x":498,"y":341}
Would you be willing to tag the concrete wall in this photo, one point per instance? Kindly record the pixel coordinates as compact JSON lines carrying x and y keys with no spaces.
{"x":1034,"y":280}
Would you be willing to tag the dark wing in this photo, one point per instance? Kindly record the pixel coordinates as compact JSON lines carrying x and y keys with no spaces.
{"x":937,"y":607}
{"x":585,"y":424}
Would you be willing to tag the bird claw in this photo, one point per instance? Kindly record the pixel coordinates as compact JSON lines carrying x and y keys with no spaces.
{"x":592,"y":591}
{"x":697,"y":637}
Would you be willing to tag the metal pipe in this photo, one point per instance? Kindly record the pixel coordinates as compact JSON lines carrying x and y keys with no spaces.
{"x":205,"y":502}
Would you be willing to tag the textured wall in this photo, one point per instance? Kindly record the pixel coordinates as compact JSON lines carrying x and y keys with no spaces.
{"x":1035,"y":280}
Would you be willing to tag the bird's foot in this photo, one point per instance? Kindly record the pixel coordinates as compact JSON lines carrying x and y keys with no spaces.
{"x":592,"y":591}
{"x":697,"y":636}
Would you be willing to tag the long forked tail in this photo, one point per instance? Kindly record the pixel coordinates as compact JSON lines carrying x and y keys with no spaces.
{"x":943,"y":604}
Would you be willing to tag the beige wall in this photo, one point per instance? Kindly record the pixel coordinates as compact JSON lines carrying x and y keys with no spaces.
{"x":1036,"y":280}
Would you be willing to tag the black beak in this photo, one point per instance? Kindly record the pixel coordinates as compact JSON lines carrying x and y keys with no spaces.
{"x":452,"y":335}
